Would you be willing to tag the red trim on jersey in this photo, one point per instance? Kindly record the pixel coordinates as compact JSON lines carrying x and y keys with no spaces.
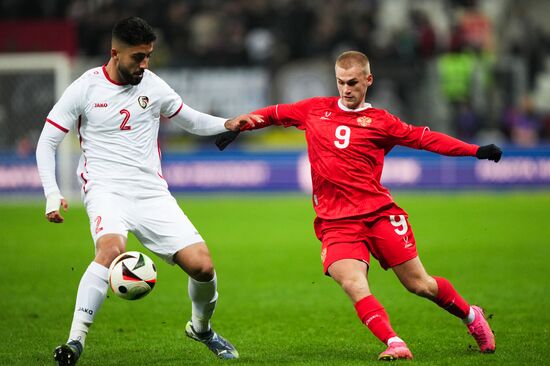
{"x":56,"y":125}
{"x":179,"y":109}
{"x":109,"y":78}
{"x":84,"y":155}
{"x":81,"y":140}
{"x":78,"y":129}
{"x":85,"y":182}
{"x":160,"y":158}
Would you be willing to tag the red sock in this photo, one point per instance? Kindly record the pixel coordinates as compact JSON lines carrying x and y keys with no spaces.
{"x":373,"y":315}
{"x":450,"y":300}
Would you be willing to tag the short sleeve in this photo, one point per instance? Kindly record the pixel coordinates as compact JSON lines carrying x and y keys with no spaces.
{"x":69,"y":107}
{"x":294,"y":114}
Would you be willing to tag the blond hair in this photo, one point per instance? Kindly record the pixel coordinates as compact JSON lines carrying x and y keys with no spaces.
{"x":349,"y":59}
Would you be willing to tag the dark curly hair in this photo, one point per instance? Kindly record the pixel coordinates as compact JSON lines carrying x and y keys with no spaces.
{"x":133,"y":31}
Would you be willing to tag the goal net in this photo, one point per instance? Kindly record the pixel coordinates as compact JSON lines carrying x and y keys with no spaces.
{"x":30,"y":84}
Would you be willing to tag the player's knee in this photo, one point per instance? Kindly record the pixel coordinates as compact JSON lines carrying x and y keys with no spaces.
{"x":107,"y":254}
{"x":353,"y":286}
{"x":203,"y":272}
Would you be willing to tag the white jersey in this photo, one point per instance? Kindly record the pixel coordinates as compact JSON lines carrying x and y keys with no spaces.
{"x":118,"y":125}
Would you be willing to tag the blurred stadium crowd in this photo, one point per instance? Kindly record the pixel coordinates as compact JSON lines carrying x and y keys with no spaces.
{"x":477,"y":69}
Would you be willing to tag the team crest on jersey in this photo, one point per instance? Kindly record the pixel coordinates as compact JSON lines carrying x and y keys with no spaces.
{"x":364,"y":121}
{"x":143,"y":101}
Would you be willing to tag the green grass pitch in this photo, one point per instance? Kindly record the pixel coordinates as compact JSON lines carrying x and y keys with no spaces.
{"x":275,"y":305}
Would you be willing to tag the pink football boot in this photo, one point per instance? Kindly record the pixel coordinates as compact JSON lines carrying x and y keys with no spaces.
{"x":481,"y":331}
{"x":396,"y":351}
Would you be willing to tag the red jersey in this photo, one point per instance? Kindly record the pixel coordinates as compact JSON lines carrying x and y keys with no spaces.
{"x":346,"y":150}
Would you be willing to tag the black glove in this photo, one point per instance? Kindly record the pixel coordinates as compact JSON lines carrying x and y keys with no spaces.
{"x":491,"y":152}
{"x":226,"y":138}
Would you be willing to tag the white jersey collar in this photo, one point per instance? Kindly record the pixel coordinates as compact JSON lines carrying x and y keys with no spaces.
{"x":346,"y":109}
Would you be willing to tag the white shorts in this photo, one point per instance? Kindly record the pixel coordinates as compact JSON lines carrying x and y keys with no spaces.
{"x":157,"y":222}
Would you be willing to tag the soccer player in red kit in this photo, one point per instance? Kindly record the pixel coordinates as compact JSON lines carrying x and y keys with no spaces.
{"x":347,"y":140}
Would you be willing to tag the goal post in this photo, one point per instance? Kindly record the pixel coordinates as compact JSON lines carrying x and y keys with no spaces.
{"x":30,"y":84}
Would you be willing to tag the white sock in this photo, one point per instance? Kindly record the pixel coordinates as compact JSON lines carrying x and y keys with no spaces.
{"x":203,"y":297}
{"x":470,"y":318}
{"x":395,"y":339}
{"x":91,"y":293}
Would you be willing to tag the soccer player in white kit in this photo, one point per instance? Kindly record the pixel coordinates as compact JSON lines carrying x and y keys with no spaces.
{"x":116,"y":110}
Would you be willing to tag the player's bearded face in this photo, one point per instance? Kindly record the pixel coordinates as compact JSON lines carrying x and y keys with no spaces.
{"x":352,"y":84}
{"x":128,"y":76}
{"x":132,"y":63}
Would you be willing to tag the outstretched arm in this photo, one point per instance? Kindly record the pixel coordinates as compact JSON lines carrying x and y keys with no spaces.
{"x":400,"y":133}
{"x":279,"y":114}
{"x":203,"y":124}
{"x":50,"y":138}
{"x":446,"y":145}
{"x":267,"y":118}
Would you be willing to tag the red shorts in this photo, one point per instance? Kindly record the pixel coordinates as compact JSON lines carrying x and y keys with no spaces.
{"x":386,"y":234}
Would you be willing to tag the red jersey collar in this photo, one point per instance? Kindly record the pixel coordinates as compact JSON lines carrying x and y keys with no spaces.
{"x":104,"y":68}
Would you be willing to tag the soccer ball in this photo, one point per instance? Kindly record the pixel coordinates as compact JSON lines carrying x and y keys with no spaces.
{"x":132,"y":275}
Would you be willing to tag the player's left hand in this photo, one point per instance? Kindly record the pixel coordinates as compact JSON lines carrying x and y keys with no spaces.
{"x":491,"y":152}
{"x":235,"y":124}
{"x":224,"y":139}
{"x":53,"y":203}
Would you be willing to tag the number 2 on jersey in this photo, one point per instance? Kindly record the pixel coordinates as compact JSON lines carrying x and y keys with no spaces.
{"x":343,"y":134}
{"x":123,"y":125}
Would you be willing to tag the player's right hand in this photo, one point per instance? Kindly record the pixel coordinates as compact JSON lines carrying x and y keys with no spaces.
{"x":490,"y":152}
{"x":237,"y":123}
{"x":53,"y":202}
